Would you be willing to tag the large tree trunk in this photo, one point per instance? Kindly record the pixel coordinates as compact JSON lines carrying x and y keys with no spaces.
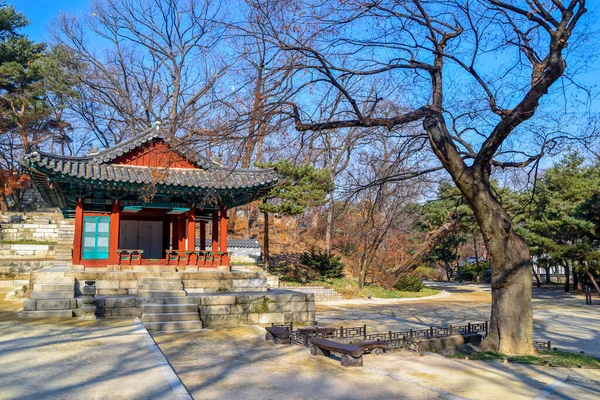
{"x":363,"y":268}
{"x":537,"y":276}
{"x":511,"y":320}
{"x":266,"y":255}
{"x":3,"y":202}
{"x":448,"y":270}
{"x":577,"y":282}
{"x":594,"y":282}
{"x":329,"y":227}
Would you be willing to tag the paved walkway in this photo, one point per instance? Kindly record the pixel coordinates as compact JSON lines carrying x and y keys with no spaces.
{"x":72,"y":359}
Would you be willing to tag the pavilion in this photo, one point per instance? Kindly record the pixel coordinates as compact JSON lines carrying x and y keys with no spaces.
{"x":146,"y":200}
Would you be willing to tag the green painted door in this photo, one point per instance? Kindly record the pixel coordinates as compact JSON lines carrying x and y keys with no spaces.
{"x":96,"y":234}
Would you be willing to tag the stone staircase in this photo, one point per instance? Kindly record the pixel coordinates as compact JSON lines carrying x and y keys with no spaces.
{"x":160,"y":287}
{"x":321,"y":293}
{"x":165,"y":307}
{"x":171,"y":317}
{"x":53,"y":296}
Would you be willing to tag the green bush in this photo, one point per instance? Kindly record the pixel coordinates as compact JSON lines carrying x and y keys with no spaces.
{"x":327,"y":265}
{"x":409,"y":283}
{"x":426,"y":272}
{"x":472,"y":272}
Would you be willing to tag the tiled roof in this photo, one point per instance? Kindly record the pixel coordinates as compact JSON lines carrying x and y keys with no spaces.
{"x":107,"y":155}
{"x":215,"y":177}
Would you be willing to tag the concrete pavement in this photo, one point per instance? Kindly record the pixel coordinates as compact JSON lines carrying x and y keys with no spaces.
{"x":72,"y":359}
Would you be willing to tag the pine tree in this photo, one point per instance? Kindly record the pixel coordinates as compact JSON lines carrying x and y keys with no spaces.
{"x":304,"y":186}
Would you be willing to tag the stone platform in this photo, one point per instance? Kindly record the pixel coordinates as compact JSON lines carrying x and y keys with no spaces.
{"x":218,"y":298}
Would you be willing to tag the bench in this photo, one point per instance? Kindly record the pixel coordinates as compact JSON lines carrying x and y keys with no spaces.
{"x":351,"y":353}
{"x":278,"y":335}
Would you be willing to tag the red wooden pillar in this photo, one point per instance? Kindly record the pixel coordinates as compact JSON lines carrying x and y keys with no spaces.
{"x":215,"y":231}
{"x":182,"y":231}
{"x":191,"y":229}
{"x":202,"y":234}
{"x":175,"y":233}
{"x":78,"y":231}
{"x":115,"y":222}
{"x":223,"y":238}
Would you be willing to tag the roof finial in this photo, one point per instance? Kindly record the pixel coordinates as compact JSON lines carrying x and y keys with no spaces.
{"x":157,"y":125}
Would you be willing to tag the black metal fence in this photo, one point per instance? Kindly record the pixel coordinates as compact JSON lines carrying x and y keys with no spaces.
{"x":394,"y":340}
{"x":541,"y":345}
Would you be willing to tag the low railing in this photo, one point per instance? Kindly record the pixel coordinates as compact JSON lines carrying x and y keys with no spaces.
{"x":394,"y":340}
{"x":130,"y":256}
{"x":541,"y":345}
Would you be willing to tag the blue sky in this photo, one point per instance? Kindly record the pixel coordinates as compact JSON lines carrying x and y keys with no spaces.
{"x":41,"y":12}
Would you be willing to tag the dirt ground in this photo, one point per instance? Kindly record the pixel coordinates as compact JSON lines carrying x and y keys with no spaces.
{"x":238,"y":363}
{"x":110,"y":358}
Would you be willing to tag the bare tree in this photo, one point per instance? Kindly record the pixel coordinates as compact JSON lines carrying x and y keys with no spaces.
{"x":381,"y":209}
{"x":504,"y":59}
{"x":139,"y":61}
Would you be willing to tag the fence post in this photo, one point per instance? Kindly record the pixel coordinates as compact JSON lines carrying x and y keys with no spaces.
{"x":390,"y":334}
{"x":341,"y":331}
{"x":451,"y":332}
{"x":365,"y":331}
{"x":549,"y":345}
{"x":486,"y":328}
{"x":410,"y":334}
{"x":469,"y":328}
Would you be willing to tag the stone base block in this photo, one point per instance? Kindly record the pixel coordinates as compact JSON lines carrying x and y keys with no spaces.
{"x":438,"y":344}
{"x":47,"y":314}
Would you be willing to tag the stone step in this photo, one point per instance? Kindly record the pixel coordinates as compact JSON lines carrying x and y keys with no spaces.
{"x":169,"y":308}
{"x":54,"y":281}
{"x":52,"y":295}
{"x":171,"y":317}
{"x":52,"y":287}
{"x":181,"y":300}
{"x":159,"y":279}
{"x":47,"y":314}
{"x":173,"y":325}
{"x":161,"y":286}
{"x":50,"y":275}
{"x":161,"y":293}
{"x":54,"y":304}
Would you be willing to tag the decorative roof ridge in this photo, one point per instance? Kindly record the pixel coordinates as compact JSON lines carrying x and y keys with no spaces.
{"x":52,"y":155}
{"x":154,"y":132}
{"x":216,"y":167}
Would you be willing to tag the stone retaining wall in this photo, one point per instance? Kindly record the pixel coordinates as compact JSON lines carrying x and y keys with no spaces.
{"x":125,"y":282}
{"x":321,"y":293}
{"x":215,"y":310}
{"x":44,"y":227}
{"x":272,"y":307}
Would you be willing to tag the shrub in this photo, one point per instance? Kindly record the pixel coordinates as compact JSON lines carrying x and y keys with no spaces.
{"x":426,"y":272}
{"x":327,"y":265}
{"x":409,"y":283}
{"x":472,"y":272}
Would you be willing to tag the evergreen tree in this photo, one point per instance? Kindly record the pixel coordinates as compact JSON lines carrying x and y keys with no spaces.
{"x":27,"y":120}
{"x":561,"y":226}
{"x":304,"y":186}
